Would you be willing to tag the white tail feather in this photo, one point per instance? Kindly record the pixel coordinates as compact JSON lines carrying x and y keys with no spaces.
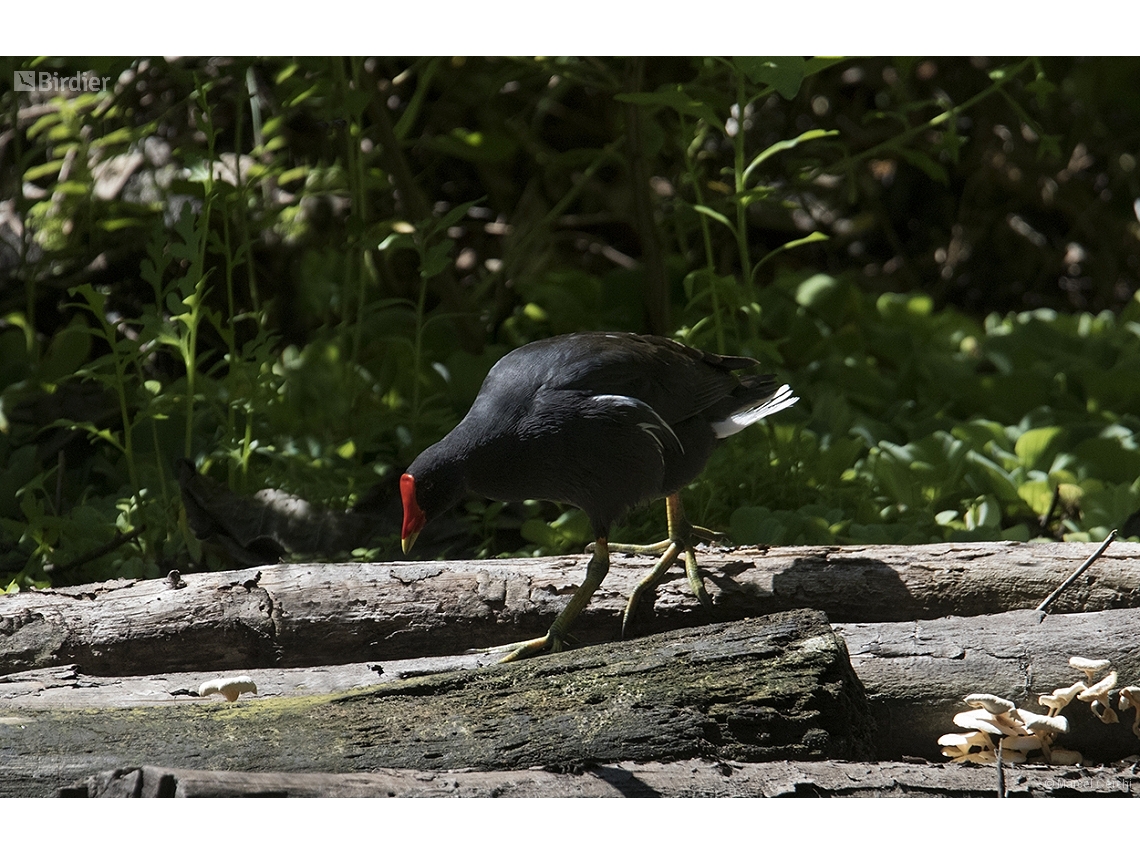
{"x":780,"y":400}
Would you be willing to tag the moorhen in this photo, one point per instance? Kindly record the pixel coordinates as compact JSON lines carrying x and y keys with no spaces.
{"x":601,"y":421}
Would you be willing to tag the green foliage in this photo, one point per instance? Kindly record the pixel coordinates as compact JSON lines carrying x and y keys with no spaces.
{"x":925,"y":426}
{"x":296,"y":273}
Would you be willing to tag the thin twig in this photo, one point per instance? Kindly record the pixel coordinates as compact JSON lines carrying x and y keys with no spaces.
{"x":1045,"y":603}
{"x":1052,"y":510}
{"x":1000,"y":773}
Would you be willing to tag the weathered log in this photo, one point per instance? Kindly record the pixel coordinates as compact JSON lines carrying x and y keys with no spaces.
{"x":678,"y":779}
{"x":777,"y":687}
{"x":312,"y":614}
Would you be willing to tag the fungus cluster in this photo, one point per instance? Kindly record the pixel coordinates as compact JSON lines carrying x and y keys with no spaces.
{"x":1028,"y":736}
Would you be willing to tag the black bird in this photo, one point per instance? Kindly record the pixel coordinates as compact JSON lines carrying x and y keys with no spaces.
{"x":602,"y":421}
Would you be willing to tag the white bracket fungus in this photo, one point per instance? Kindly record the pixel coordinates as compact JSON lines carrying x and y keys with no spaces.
{"x":228,"y":687}
{"x":1061,"y":698}
{"x":1130,"y":699}
{"x":960,"y":747}
{"x":990,"y":703}
{"x":1028,"y":735}
{"x":1097,"y":696}
{"x":1091,"y":667}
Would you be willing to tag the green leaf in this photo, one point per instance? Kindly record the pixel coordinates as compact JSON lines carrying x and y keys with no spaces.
{"x":539,"y":532}
{"x":715,"y":215}
{"x":983,"y":513}
{"x":814,"y":237}
{"x":933,"y":169}
{"x":52,"y":167}
{"x":1032,"y":447}
{"x":755,"y":525}
{"x":676,"y":98}
{"x":785,"y":74}
{"x":816,"y":289}
{"x":69,"y":349}
{"x":784,"y":145}
{"x":1038,"y":495}
{"x":1110,"y":507}
{"x":437,"y":258}
{"x":1041,"y":88}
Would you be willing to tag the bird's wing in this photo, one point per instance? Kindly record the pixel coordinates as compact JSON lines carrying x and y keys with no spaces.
{"x":602,"y":452}
{"x":630,"y":411}
{"x":674,"y":380}
{"x":599,"y":419}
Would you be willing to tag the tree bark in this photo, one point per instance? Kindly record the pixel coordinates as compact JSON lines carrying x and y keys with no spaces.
{"x":778,"y":687}
{"x":312,"y":614}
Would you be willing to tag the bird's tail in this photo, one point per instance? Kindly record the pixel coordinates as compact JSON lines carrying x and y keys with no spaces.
{"x":781,"y":399}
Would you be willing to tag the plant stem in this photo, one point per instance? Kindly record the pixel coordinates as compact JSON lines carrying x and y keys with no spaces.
{"x":706,"y":233}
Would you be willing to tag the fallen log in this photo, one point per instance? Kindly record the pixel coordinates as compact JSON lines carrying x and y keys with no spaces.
{"x":915,"y":673}
{"x":777,"y":687}
{"x":312,"y":614}
{"x":678,"y":779}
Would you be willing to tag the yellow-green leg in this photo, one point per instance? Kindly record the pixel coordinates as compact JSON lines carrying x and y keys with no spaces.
{"x":682,"y":536}
{"x":556,"y":636}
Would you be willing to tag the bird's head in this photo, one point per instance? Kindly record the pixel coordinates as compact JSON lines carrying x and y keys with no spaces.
{"x":433,"y":483}
{"x":414,"y":517}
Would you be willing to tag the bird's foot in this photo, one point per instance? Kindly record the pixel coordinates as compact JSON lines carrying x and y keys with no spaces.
{"x":650,"y":582}
{"x":694,"y":534}
{"x":558,"y":635}
{"x":684,"y":537}
{"x":549,"y":643}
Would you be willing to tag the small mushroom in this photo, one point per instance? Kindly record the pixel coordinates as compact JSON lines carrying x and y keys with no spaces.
{"x":1020,"y":744}
{"x":1066,"y":757}
{"x":1104,"y":712}
{"x":991,"y":703}
{"x":1130,"y":699}
{"x":228,"y":687}
{"x":957,"y":746}
{"x":1098,"y":689}
{"x":1097,"y":697}
{"x":1061,"y":698}
{"x":1091,"y":667}
{"x":1043,"y":725}
{"x":979,"y":719}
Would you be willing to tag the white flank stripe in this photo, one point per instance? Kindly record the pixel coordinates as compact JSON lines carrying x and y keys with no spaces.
{"x":781,"y":400}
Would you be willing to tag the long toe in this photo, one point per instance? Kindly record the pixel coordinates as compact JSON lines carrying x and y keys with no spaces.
{"x":649,"y":584}
{"x":657,"y":548}
{"x":693,"y":572}
{"x":526,"y":649}
{"x":683,"y":536}
{"x":556,"y":637}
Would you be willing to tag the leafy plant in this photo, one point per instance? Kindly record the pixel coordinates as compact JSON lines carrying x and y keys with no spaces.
{"x":296,"y":273}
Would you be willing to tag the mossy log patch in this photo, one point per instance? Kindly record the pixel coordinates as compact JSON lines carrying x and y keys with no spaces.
{"x":315,"y":614}
{"x":778,"y":687}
